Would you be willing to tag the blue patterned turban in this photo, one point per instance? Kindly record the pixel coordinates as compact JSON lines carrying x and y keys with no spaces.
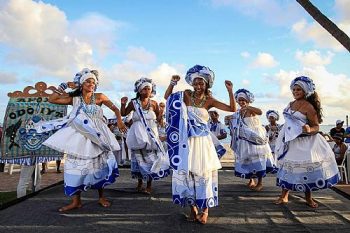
{"x":199,"y":71}
{"x":272,"y":113}
{"x":84,"y":75}
{"x":145,"y":82}
{"x":305,"y":83}
{"x":247,"y":95}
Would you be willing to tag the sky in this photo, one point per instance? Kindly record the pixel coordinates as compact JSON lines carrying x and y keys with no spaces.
{"x":258,"y":45}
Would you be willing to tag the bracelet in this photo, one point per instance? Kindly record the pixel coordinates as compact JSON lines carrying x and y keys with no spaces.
{"x":63,"y":86}
{"x":173,"y":83}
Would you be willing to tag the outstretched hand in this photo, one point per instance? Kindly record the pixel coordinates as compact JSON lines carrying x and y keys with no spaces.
{"x":124,"y":100}
{"x":122,"y":127}
{"x":229,"y":85}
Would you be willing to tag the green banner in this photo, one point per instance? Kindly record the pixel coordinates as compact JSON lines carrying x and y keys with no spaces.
{"x":20,"y":139}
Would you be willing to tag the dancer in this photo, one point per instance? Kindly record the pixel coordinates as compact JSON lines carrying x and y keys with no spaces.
{"x":193,"y":155}
{"x":272,"y":128}
{"x":148,"y":158}
{"x":85,"y":138}
{"x":306,"y":162}
{"x":249,"y":142}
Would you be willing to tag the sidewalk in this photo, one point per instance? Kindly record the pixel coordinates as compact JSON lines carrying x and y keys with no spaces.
{"x":239,"y":210}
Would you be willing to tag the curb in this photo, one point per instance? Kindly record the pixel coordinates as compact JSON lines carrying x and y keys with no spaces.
{"x":344,"y":194}
{"x":18,"y":200}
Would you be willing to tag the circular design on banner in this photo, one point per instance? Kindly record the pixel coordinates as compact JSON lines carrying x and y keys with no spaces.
{"x":184,"y":146}
{"x":310,"y":169}
{"x":190,"y":201}
{"x":320,"y":183}
{"x":161,"y":173}
{"x":177,"y":104}
{"x":86,"y":121}
{"x":305,"y":178}
{"x":176,"y":160}
{"x":210,"y":202}
{"x":174,"y":137}
{"x":299,"y":187}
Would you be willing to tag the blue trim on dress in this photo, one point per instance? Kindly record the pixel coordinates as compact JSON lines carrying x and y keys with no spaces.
{"x":308,"y":187}
{"x":200,"y":203}
{"x":70,"y":191}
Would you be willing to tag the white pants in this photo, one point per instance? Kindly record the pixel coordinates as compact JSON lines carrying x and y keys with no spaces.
{"x":26,"y":176}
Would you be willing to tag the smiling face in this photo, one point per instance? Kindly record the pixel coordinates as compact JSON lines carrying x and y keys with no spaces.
{"x":242,"y":102}
{"x":146,"y":92}
{"x":298,"y":92}
{"x":199,"y":85}
{"x":89,"y":85}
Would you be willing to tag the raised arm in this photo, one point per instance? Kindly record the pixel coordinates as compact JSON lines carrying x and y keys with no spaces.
{"x":125,"y":110}
{"x":173,"y":82}
{"x":222,"y":106}
{"x":62,"y":99}
{"x":105,"y":101}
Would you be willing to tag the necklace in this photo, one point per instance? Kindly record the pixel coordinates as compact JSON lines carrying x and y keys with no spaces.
{"x":89,"y":109}
{"x":147,"y":107}
{"x":201,"y":103}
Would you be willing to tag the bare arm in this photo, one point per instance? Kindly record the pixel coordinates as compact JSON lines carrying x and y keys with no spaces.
{"x":63,"y":99}
{"x":156,"y":111}
{"x":169,"y":90}
{"x":126,"y":110}
{"x":313,"y":126}
{"x":105,"y":101}
{"x":222,"y":106}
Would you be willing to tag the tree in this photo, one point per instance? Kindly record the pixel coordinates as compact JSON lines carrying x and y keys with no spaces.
{"x":326,"y":23}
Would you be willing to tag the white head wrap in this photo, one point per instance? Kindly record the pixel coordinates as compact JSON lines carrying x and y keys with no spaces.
{"x":272,"y":113}
{"x":145,"y":82}
{"x":305,"y":83}
{"x":247,"y":95}
{"x":202,"y":72}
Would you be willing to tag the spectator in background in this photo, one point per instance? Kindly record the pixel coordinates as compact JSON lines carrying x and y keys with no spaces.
{"x":347,"y":136}
{"x":338,"y":128}
{"x":216,"y":127}
{"x":339,"y":148}
{"x":162,"y":126}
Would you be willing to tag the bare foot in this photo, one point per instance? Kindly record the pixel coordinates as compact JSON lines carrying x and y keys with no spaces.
{"x":193,"y":215}
{"x":140,"y":189}
{"x":104,"y":202}
{"x":281,"y":201}
{"x":202,"y":217}
{"x":71,"y":206}
{"x":311,"y":203}
{"x":258,"y":187}
{"x":251,"y":184}
{"x":148,"y":190}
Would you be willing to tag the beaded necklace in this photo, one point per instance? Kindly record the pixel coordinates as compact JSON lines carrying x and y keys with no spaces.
{"x":147,"y":107}
{"x":200,"y":105}
{"x":89,"y":109}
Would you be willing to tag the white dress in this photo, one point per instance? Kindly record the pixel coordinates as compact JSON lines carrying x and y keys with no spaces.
{"x":144,"y":152}
{"x":198,"y":185}
{"x":252,"y":159}
{"x":89,"y":145}
{"x":305,"y":163}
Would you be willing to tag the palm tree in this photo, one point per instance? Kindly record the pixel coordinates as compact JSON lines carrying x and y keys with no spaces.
{"x":326,"y":23}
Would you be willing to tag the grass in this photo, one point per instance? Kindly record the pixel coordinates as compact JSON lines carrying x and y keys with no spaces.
{"x":7,"y":197}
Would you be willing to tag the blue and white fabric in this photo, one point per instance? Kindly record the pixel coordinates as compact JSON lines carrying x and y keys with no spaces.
{"x":217,"y":128}
{"x":202,"y":72}
{"x":305,"y":162}
{"x":249,"y":142}
{"x":145,"y":82}
{"x":149,"y":160}
{"x":89,"y":145}
{"x":305,"y":83}
{"x":193,"y":156}
{"x":245,"y":94}
{"x":273,"y":113}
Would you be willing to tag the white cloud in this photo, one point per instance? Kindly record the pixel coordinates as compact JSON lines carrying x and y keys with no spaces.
{"x":314,"y":32}
{"x":39,"y":35}
{"x":342,"y":6}
{"x":245,"y":82}
{"x":8,"y":78}
{"x":245,"y":54}
{"x":141,"y":55}
{"x":313,"y":58}
{"x":264,"y":60}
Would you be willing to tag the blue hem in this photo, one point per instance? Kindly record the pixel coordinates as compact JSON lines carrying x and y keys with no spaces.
{"x":200,"y":203}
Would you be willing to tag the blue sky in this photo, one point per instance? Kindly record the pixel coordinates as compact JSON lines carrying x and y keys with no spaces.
{"x":258,"y":45}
